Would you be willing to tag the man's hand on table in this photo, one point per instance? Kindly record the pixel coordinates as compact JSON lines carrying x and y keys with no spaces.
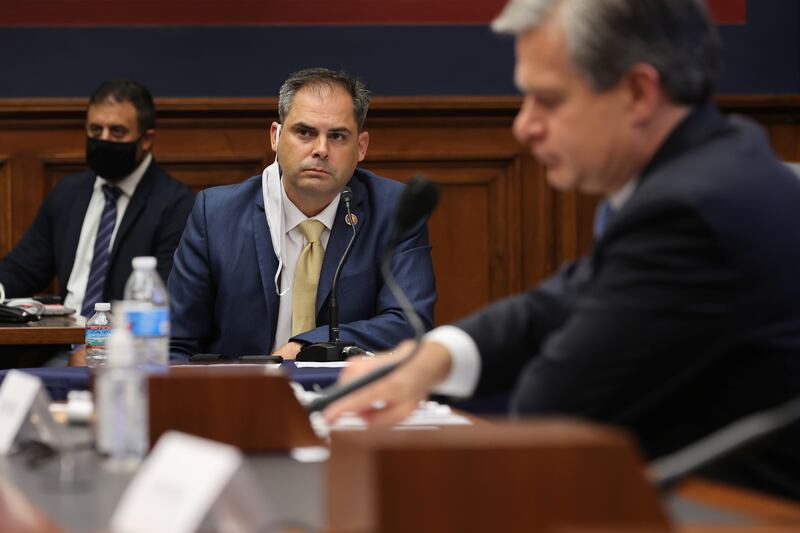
{"x":395,"y":396}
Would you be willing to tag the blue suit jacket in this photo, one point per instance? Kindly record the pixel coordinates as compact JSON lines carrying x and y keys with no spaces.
{"x":684,"y":317}
{"x":222,"y":291}
{"x":152,"y":225}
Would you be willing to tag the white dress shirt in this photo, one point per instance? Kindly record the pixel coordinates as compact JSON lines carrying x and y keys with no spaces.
{"x":293,"y":243}
{"x":464,"y":354}
{"x":76,"y":286}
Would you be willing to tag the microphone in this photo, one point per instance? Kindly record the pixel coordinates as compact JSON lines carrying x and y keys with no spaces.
{"x":332,"y":350}
{"x":665,"y":472}
{"x":418,"y":200}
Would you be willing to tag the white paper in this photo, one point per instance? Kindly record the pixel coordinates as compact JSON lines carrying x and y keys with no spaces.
{"x":177,"y":485}
{"x":429,"y":415}
{"x":321,"y":364}
{"x":21,"y":395}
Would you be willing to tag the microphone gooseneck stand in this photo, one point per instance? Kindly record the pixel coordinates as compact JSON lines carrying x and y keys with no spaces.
{"x":417,"y":202}
{"x":333,"y":350}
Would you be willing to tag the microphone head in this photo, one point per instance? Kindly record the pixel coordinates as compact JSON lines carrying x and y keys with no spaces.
{"x":417,"y":201}
{"x":347,"y":195}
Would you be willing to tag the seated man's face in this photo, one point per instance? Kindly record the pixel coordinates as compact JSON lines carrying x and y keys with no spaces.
{"x":586,"y":139}
{"x":112,"y":121}
{"x":114,"y":145}
{"x":319,"y":146}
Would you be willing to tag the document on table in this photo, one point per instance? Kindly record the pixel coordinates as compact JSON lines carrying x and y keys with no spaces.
{"x":320,"y":364}
{"x":429,"y":415}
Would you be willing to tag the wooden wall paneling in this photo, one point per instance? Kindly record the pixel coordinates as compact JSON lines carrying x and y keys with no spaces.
{"x":785,"y":139}
{"x":477,"y":248}
{"x":469,"y":231}
{"x":500,"y":228}
{"x":778,"y":114}
{"x":201,"y":173}
{"x":6,"y":210}
{"x":536,"y":221}
{"x":208,"y":145}
{"x":29,"y":139}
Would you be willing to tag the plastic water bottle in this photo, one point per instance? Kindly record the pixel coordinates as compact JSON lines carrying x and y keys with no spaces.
{"x":98,"y":330}
{"x":147,"y":312}
{"x":121,"y":393}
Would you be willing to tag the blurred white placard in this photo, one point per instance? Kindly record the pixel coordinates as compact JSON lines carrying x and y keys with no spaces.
{"x":185,"y":478}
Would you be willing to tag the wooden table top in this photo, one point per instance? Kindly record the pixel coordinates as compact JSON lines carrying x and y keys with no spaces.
{"x":49,"y":330}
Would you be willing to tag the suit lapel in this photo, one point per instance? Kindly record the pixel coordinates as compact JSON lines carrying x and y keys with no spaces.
{"x":135,"y":206}
{"x":267,"y":263}
{"x":337,"y":243}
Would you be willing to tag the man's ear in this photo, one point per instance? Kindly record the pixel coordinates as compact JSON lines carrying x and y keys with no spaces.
{"x":363,"y":143}
{"x":147,"y":140}
{"x":643,"y":82}
{"x":274,"y":133}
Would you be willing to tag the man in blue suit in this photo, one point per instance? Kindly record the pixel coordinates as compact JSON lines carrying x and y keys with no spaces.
{"x":237,"y":282}
{"x":685,"y":315}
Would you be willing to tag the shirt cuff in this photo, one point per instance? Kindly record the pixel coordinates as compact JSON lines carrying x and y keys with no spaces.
{"x":465,"y":361}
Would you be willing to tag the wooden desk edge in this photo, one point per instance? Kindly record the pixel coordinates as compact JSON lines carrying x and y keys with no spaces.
{"x":771,"y":510}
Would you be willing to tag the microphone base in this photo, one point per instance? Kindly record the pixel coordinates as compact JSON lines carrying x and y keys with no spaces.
{"x":322,"y":352}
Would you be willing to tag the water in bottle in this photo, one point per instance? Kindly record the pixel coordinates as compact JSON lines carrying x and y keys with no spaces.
{"x":147,"y":312}
{"x":121,"y":391}
{"x":98,"y":330}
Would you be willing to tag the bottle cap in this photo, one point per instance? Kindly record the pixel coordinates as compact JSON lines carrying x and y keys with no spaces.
{"x":144,"y":263}
{"x":102,"y":306}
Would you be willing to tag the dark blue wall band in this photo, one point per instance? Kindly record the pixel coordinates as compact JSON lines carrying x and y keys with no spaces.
{"x":253,"y":61}
{"x":762,"y":56}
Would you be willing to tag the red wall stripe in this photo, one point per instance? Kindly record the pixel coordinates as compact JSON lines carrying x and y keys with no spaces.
{"x":728,"y":11}
{"x":221,"y":12}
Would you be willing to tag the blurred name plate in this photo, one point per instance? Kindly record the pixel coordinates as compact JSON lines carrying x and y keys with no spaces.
{"x":534,"y":476}
{"x":250,"y":408}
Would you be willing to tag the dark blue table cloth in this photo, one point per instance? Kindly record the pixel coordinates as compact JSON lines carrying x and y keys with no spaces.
{"x":60,"y":380}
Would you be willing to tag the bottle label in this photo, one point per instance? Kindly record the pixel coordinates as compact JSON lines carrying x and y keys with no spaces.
{"x":97,"y":336}
{"x":152,"y":322}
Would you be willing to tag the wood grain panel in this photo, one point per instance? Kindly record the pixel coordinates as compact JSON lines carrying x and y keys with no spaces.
{"x":470,"y":230}
{"x":499,"y":228}
{"x":6,"y":210}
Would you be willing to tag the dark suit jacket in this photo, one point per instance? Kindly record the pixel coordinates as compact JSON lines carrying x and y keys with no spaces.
{"x":222,"y":291}
{"x":152,"y":225}
{"x":686,"y":314}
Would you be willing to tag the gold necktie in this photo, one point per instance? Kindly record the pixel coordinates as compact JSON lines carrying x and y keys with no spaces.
{"x":306,"y":278}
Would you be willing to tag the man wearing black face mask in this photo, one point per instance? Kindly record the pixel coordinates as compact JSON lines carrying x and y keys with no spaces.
{"x":93,"y":223}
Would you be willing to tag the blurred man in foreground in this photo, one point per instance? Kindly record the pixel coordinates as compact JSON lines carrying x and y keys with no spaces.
{"x":685,"y":316}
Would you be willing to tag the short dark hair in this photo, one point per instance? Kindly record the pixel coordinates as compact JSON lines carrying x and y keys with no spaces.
{"x":606,"y":37}
{"x":324,"y":77}
{"x":128,"y":91}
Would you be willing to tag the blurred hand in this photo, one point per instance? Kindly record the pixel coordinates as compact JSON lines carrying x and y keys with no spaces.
{"x":78,"y":356}
{"x":392,"y":398}
{"x":289,"y":350}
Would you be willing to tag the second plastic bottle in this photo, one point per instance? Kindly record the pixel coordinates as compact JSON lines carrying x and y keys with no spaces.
{"x":147,"y":312}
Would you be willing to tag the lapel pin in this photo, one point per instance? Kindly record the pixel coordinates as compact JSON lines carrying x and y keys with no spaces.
{"x":351,"y":219}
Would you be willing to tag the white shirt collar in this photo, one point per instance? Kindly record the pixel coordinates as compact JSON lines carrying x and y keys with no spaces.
{"x":129,"y":183}
{"x":620,"y":198}
{"x":292,"y":216}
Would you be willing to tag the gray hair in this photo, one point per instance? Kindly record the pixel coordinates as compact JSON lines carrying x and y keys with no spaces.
{"x":607,"y":37}
{"x":323,"y":77}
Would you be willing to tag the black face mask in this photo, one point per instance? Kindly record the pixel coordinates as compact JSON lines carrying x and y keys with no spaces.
{"x":111,"y":160}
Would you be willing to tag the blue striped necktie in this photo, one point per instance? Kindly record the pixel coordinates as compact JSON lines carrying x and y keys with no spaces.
{"x":102,"y":252}
{"x":602,"y":218}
